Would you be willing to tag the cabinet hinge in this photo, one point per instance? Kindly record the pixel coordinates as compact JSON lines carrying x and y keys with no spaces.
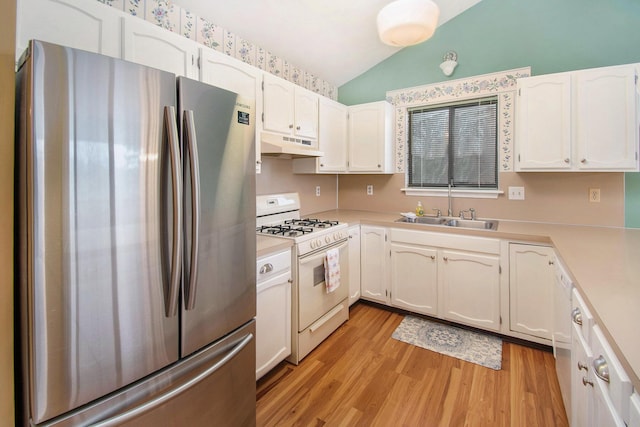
{"x":262,"y":117}
{"x":518,"y":157}
{"x":262,"y":85}
{"x":501,"y":320}
{"x":199,"y":62}
{"x":499,"y":269}
{"x":193,"y":60}
{"x":385,"y":237}
{"x":519,"y":92}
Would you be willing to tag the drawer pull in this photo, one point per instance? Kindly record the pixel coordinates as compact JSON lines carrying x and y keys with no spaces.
{"x":267,"y":268}
{"x":602,"y":368}
{"x":576,"y":316}
{"x":582,"y":366}
{"x":586,"y":382}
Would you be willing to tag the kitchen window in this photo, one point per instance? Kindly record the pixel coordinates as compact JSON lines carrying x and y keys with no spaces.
{"x":454,"y":143}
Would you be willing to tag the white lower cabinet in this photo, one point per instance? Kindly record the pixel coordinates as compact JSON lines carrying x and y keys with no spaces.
{"x":471,"y":288}
{"x":531,"y":281}
{"x":634,"y":410}
{"x":354,"y":260}
{"x":273,"y":311}
{"x":373,"y":263}
{"x":414,"y":278}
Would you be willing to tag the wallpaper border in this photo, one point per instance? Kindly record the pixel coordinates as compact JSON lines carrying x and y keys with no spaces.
{"x":502,"y":84}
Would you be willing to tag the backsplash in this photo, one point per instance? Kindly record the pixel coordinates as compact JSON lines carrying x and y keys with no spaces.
{"x":170,"y":16}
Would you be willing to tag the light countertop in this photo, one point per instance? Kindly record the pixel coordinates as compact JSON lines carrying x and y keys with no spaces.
{"x":270,"y":244}
{"x":603,"y":261}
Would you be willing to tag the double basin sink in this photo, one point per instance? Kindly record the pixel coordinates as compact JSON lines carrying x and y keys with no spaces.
{"x":479,"y":224}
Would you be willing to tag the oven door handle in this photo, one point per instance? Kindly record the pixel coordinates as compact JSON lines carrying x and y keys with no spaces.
{"x":320,"y":253}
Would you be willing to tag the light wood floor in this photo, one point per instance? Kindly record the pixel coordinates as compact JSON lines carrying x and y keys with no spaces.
{"x":360,"y":376}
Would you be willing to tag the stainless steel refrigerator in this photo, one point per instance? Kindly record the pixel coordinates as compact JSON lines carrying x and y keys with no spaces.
{"x":136,"y":230}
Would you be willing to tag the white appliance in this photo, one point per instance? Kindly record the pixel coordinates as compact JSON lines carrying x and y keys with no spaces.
{"x":316,"y":313}
{"x":561,"y":335}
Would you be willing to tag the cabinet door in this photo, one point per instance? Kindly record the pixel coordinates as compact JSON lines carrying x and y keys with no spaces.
{"x":332,"y":136}
{"x":305,"y":113}
{"x":414,"y":285}
{"x":150,"y":45}
{"x":354,"y":264}
{"x":606,"y":119}
{"x":543,"y":139}
{"x":223,"y":71}
{"x":278,"y":105}
{"x":81,"y":24}
{"x":369,"y":137}
{"x":581,"y":380}
{"x":470,"y":285}
{"x":531,"y":281}
{"x":273,"y":322}
{"x":373,"y":261}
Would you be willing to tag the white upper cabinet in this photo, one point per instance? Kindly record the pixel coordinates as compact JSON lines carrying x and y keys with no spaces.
{"x":148,"y":44}
{"x":371,"y":138}
{"x":607,"y":125}
{"x":223,"y":71}
{"x":332,"y":141}
{"x":81,"y":24}
{"x":289,"y":109}
{"x":579,"y":121}
{"x":544,"y":122}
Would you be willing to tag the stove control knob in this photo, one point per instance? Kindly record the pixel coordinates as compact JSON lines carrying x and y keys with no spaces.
{"x":327,"y":239}
{"x":312,"y":244}
{"x":318,"y":243}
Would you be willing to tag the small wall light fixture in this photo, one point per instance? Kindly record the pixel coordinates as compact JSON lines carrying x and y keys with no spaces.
{"x":450,"y":61}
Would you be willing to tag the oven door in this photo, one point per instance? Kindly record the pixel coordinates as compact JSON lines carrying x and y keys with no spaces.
{"x":313,"y":299}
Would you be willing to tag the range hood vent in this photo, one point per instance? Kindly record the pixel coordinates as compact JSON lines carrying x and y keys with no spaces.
{"x":287,"y":147}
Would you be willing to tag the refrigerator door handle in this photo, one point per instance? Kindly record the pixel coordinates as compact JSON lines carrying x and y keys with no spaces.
{"x":171,"y":127}
{"x":192,"y":148}
{"x":160,"y":400}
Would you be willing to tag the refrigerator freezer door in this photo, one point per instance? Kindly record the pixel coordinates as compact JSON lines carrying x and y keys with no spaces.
{"x":222,"y":288}
{"x":94,"y":277}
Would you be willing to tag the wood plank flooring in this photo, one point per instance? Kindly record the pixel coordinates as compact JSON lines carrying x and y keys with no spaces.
{"x":360,"y":376}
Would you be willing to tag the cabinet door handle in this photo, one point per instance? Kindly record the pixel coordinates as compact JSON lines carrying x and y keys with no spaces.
{"x":444,"y":258}
{"x":290,"y":126}
{"x":297,"y":127}
{"x":267,"y":268}
{"x":433,"y":257}
{"x":586,"y":382}
{"x":582,"y":366}
{"x":567,"y":160}
{"x":583,"y":161}
{"x":551,"y":262}
{"x":601,"y":368}
{"x":576,"y":316}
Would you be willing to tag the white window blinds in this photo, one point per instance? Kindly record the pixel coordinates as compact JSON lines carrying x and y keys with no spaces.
{"x":454,"y":143}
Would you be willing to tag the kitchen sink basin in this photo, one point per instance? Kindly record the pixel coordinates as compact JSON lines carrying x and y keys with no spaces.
{"x":479,"y":224}
{"x":432,"y":220}
{"x":472,"y":223}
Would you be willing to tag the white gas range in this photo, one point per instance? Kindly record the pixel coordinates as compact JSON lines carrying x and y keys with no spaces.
{"x":316,"y":312}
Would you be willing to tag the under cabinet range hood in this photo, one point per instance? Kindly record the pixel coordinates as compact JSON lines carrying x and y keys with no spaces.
{"x":287,"y":147}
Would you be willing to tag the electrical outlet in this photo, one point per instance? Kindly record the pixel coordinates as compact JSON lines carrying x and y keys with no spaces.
{"x":369,"y":190}
{"x":317,"y":190}
{"x":516,"y":193}
{"x":594,"y":195}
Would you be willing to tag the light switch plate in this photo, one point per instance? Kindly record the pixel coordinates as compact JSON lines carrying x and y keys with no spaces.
{"x":594,"y":195}
{"x":516,"y":193}
{"x":369,"y":190}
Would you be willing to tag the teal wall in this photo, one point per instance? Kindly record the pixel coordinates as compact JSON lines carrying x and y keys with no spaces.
{"x":495,"y":35}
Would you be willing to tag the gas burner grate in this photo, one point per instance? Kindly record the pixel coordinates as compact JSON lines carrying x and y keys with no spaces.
{"x":284,"y":230}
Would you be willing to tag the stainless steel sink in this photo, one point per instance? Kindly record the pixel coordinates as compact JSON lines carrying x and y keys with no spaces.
{"x":481,"y":224}
{"x":431,"y":220}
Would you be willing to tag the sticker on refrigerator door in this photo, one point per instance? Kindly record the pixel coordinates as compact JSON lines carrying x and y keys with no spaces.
{"x":243,"y":117}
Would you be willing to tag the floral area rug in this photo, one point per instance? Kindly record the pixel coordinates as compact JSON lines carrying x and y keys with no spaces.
{"x":482,"y":349}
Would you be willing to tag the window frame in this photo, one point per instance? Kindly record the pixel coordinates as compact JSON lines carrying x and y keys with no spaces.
{"x":450,"y":146}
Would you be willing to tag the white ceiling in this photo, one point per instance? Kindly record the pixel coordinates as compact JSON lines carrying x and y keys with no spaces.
{"x":336,"y":40}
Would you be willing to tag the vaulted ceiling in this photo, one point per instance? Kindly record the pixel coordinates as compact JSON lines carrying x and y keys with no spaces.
{"x":336,"y":40}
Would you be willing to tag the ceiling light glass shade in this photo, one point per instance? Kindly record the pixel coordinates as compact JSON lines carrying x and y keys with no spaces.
{"x":407,"y":22}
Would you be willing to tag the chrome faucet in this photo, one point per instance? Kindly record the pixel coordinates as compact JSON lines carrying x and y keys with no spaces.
{"x":438,"y":212}
{"x":450,"y":211}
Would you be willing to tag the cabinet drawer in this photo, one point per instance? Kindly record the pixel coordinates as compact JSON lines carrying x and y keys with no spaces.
{"x":581,"y":316}
{"x":273,"y":265}
{"x":609,"y":374}
{"x":634,"y":410}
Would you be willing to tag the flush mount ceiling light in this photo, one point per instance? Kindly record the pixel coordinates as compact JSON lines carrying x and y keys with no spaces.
{"x":407,"y":22}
